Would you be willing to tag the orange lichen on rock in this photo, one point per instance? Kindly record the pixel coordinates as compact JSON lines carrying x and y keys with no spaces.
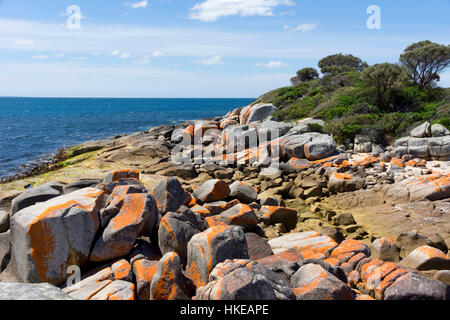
{"x":42,"y":237}
{"x":118,"y":175}
{"x":165,"y":288}
{"x":343,"y":176}
{"x":366,"y":161}
{"x":398,"y":162}
{"x":131,"y":211}
{"x":349,"y":245}
{"x":388,"y":281}
{"x":213,"y":222}
{"x":122,"y":270}
{"x":144,"y":270}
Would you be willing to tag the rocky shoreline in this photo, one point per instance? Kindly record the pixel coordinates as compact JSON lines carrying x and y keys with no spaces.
{"x":236,"y":207}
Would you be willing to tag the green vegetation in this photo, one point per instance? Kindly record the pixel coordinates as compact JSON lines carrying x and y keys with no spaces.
{"x":383,"y":101}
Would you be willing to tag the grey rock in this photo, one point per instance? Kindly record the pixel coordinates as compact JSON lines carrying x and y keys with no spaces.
{"x":344,"y":219}
{"x":315,"y":283}
{"x":243,"y":192}
{"x":215,"y":245}
{"x":258,"y":247}
{"x":175,"y":231}
{"x":32,"y":196}
{"x":438,"y":130}
{"x":412,"y":286}
{"x":169,"y":195}
{"x":50,"y":236}
{"x":4,"y":221}
{"x":87,"y":183}
{"x":26,"y":291}
{"x":5,"y":250}
{"x":211,"y":191}
{"x":169,"y":282}
{"x":137,"y":216}
{"x":386,"y":249}
{"x":260,"y":112}
{"x":422,"y":131}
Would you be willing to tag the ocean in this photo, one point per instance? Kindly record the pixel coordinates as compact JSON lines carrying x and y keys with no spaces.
{"x":32,"y":129}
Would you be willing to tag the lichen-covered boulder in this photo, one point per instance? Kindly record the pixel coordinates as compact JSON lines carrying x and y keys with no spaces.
{"x":344,"y":182}
{"x":312,"y":282}
{"x":137,"y":216}
{"x":169,"y":283}
{"x":212,"y":190}
{"x":91,"y":284}
{"x":175,"y":231}
{"x":244,"y":280}
{"x":49,"y":237}
{"x":386,"y":249}
{"x":215,"y":245}
{"x":122,"y":270}
{"x":351,"y":246}
{"x":256,"y":113}
{"x":412,"y":286}
{"x":426,"y":258}
{"x":239,"y":215}
{"x":119,"y":192}
{"x":169,"y":195}
{"x":144,"y":270}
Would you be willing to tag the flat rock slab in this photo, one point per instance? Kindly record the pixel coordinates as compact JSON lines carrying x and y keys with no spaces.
{"x":310,"y":240}
{"x":116,"y":290}
{"x":26,"y":291}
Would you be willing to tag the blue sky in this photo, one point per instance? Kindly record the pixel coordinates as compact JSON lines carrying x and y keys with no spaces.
{"x":196,"y":48}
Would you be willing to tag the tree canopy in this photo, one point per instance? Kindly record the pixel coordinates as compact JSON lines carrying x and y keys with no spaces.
{"x":305,"y":74}
{"x":339,"y":63}
{"x":382,"y":76}
{"x":424,"y":61}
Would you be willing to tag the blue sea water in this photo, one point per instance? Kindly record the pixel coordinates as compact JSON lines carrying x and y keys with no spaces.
{"x":33,"y":128}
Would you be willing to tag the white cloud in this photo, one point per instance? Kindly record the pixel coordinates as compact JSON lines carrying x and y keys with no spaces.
{"x":137,"y":5}
{"x":271,"y":65}
{"x":307,"y":26}
{"x":211,"y":10}
{"x":125,"y":55}
{"x":40,"y":57}
{"x":212,"y":61}
{"x":143,"y":60}
{"x":121,"y":55}
{"x":157,"y":53}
